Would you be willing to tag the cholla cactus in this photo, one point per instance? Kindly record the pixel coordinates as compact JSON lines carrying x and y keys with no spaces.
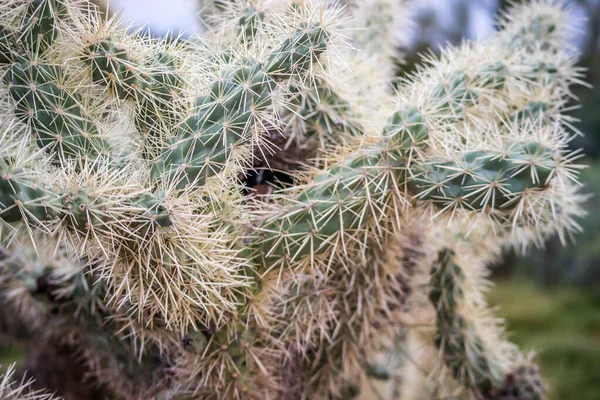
{"x":131,"y":236}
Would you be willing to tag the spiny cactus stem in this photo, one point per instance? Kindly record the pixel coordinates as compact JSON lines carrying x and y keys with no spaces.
{"x":462,"y":349}
{"x":56,"y":118}
{"x":341,"y":199}
{"x":21,"y":199}
{"x":227,"y":115}
{"x":482,"y":179}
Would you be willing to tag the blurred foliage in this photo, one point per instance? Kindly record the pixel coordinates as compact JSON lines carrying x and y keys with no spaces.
{"x":562,"y":324}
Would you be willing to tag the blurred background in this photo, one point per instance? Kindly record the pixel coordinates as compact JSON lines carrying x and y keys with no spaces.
{"x":549,"y":297}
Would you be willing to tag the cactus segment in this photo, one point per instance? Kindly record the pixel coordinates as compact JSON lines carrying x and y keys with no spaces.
{"x":204,"y":141}
{"x":155,"y":111}
{"x":235,"y":349}
{"x":40,"y":29}
{"x":226,"y":116}
{"x":111,"y":66}
{"x":455,"y":94}
{"x":533,"y":111}
{"x":247,"y":23}
{"x":323,"y":114}
{"x":20,"y":199}
{"x":462,"y":349}
{"x":342,"y":198}
{"x":57,"y":119}
{"x":492,"y":76}
{"x":37,"y":30}
{"x":154,"y":88}
{"x":482,"y":179}
{"x":298,"y":53}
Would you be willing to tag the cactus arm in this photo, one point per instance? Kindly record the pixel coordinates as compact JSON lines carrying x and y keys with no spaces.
{"x":343,"y":198}
{"x":55,"y":115}
{"x":333,"y":112}
{"x":464,"y":350}
{"x":20,"y":198}
{"x":463,"y":354}
{"x":227,"y":115}
{"x":156,"y":103}
{"x":111,"y":66}
{"x":482,"y":179}
{"x":321,"y":115}
{"x":155,"y":87}
{"x":39,"y":29}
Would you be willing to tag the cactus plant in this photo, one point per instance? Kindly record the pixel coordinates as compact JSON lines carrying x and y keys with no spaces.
{"x":131,"y":234}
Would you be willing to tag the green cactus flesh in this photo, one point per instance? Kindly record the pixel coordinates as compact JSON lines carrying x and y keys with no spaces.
{"x":454,"y":94}
{"x":154,"y":88}
{"x":482,"y":179}
{"x":247,"y":24}
{"x":18,"y":197}
{"x":235,"y":347}
{"x":337,"y":199}
{"x":492,"y":76}
{"x":323,"y":112}
{"x":41,"y":26}
{"x":462,"y":349}
{"x":36,"y":33}
{"x":111,"y":66}
{"x":297,"y":53}
{"x":155,"y":111}
{"x":56,"y":117}
{"x":203,"y":144}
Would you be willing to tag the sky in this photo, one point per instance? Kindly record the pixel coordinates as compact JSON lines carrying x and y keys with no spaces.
{"x":182,"y":16}
{"x":161,"y":15}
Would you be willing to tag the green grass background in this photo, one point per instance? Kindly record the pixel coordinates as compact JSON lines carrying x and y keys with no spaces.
{"x":563,"y":326}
